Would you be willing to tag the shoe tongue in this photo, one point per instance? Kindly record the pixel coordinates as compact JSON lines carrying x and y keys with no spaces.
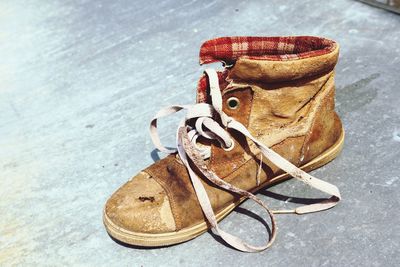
{"x":203,"y":89}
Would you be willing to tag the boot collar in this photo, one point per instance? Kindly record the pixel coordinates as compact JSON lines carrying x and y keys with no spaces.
{"x":230,"y":49}
{"x":267,"y":59}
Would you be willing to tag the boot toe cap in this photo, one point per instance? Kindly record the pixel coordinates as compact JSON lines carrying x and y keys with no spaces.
{"x":140,"y":206}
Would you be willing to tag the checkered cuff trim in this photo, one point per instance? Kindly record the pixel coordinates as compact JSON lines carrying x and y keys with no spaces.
{"x":229,"y":49}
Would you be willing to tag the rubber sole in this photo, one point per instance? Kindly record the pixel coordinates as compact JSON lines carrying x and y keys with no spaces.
{"x":165,"y":239}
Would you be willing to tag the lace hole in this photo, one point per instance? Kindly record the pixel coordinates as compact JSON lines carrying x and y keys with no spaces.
{"x":233,"y":103}
{"x":231,"y":147}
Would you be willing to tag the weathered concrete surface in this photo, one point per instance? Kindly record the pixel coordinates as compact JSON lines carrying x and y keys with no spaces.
{"x":80,"y":81}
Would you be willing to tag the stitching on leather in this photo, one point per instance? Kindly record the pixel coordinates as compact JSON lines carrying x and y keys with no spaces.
{"x":172,"y":202}
{"x":319,"y":105}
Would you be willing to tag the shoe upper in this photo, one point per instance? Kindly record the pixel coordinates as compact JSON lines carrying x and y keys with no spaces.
{"x":281,"y":89}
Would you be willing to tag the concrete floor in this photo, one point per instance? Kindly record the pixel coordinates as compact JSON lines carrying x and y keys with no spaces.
{"x":80,"y":81}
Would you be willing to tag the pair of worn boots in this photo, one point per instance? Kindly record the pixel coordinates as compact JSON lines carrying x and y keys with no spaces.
{"x":268,"y":116}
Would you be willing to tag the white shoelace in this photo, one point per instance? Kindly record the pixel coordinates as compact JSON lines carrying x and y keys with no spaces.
{"x":187,"y":149}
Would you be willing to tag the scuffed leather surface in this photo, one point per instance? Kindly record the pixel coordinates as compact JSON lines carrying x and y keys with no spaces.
{"x":326,"y":127}
{"x":284,"y":110}
{"x":174,"y":178}
{"x":141,"y":205}
{"x":274,"y":71}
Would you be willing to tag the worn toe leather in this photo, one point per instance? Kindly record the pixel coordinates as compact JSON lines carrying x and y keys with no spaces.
{"x":141,"y":205}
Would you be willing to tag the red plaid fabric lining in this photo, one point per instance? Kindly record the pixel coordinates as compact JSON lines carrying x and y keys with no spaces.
{"x":202,"y":86}
{"x":229,"y":49}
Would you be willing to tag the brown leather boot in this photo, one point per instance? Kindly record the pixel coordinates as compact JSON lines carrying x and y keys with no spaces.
{"x":268,"y":116}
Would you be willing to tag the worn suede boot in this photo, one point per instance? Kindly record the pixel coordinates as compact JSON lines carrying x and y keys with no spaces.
{"x":268,"y":116}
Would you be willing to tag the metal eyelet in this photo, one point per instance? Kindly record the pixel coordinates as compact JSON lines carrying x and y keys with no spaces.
{"x":229,"y":148}
{"x":233,"y":103}
{"x":227,"y":65}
